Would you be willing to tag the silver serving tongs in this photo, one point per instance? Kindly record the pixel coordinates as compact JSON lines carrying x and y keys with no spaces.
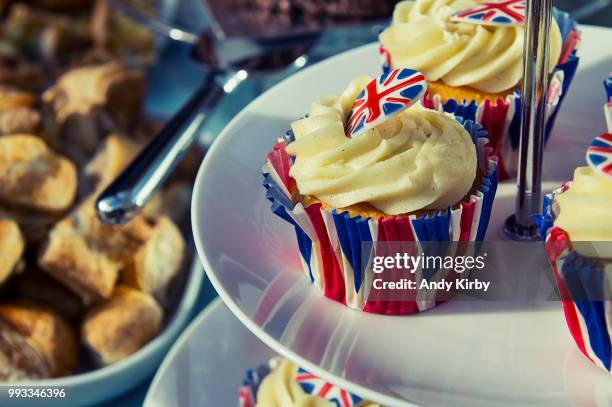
{"x":229,"y":61}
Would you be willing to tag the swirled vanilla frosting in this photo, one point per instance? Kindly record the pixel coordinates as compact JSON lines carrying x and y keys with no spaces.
{"x":279,"y":389}
{"x":418,"y":159}
{"x":486,"y":58}
{"x":584,"y":212}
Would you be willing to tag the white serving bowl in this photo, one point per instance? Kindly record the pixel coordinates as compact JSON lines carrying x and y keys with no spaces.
{"x":100,"y":385}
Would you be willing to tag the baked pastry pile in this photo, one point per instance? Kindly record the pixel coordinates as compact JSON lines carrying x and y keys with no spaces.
{"x":72,"y":86}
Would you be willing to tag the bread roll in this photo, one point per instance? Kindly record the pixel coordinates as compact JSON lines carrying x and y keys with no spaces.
{"x":17,"y":112}
{"x":32,"y":176}
{"x":89,"y":102}
{"x":35,"y":343}
{"x":122,"y":325}
{"x":86,"y":255}
{"x":158,"y":261}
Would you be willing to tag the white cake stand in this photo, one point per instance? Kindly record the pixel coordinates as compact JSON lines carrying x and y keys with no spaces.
{"x":473,"y":353}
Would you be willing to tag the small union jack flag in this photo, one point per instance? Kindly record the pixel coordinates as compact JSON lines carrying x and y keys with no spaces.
{"x":599,"y":154}
{"x":384,"y":97}
{"x":311,"y":384}
{"x":498,"y":13}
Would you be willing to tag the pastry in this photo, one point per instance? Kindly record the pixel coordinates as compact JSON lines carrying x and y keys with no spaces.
{"x":420,"y":175}
{"x":35,"y":343}
{"x":86,"y":254}
{"x":18,"y":114}
{"x":157,"y":262}
{"x":12,"y":246}
{"x":34,"y":177}
{"x":281,"y":383}
{"x":122,"y":325}
{"x":87,"y":103}
{"x":70,"y":259}
{"x":475,"y":69}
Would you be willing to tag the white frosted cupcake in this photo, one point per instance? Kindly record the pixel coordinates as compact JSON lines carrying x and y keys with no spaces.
{"x":281,"y":383}
{"x":475,"y":70}
{"x":577,"y":225}
{"x":422,"y":175}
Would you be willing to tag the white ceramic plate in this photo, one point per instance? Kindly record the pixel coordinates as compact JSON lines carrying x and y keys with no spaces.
{"x":207,"y":364}
{"x":482,"y":354}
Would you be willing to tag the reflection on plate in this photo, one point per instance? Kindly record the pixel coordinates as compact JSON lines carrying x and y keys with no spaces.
{"x":206,"y":366}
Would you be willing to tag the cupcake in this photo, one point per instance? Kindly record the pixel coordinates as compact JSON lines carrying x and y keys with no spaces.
{"x":280,"y":383}
{"x":419,"y":176}
{"x":577,"y":225}
{"x":475,"y":70}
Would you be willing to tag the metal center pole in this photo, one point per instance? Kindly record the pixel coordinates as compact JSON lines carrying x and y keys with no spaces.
{"x":520,"y":226}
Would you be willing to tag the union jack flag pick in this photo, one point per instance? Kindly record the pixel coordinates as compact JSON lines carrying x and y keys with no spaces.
{"x":599,"y":154}
{"x":384,"y":97}
{"x":311,"y":384}
{"x":502,"y":13}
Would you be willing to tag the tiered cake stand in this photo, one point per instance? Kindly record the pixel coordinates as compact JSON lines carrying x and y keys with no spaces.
{"x":461,"y":353}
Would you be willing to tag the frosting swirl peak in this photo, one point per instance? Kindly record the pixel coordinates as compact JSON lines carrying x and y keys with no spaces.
{"x":418,"y":159}
{"x":485,"y":58}
{"x":585,"y":213}
{"x":279,"y":389}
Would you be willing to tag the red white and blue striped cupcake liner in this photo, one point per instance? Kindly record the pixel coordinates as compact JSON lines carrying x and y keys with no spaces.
{"x":247,"y":395}
{"x":331,"y":242}
{"x":502,"y":118}
{"x":582,"y":283}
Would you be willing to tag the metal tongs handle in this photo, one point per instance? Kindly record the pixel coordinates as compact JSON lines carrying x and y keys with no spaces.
{"x":138,"y":182}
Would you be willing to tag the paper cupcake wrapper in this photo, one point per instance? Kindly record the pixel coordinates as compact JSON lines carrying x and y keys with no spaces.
{"x":331,"y":242}
{"x":580,"y":281}
{"x":502,"y":119}
{"x":247,"y":396}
